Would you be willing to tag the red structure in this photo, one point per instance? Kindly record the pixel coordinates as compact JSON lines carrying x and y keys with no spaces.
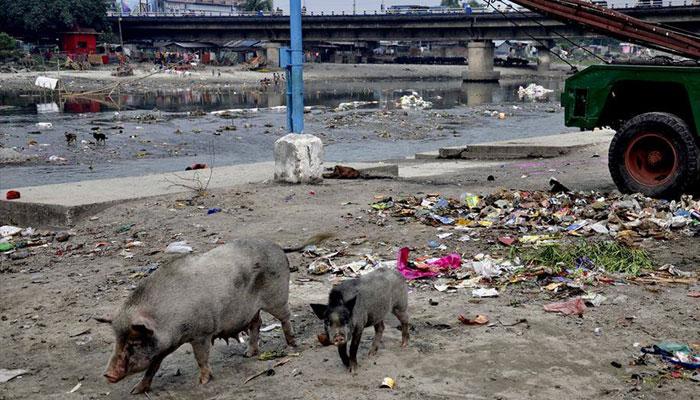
{"x":82,"y":41}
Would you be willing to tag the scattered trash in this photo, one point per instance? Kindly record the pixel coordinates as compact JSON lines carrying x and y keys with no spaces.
{"x":213,"y":211}
{"x":388,"y":383}
{"x":323,"y":339}
{"x":571,"y":307}
{"x":76,"y":388}
{"x":178,"y":247}
{"x":485,"y":292}
{"x":9,"y":230}
{"x":533,"y":92}
{"x":557,"y":187}
{"x":10,"y":374}
{"x":269,"y":371}
{"x":428,"y":269}
{"x":675,"y":353}
{"x":272,"y":355}
{"x":56,"y":159}
{"x":414,"y":101}
{"x":196,"y":167}
{"x":6,"y":246}
{"x":354,"y":104}
{"x":44,"y":125}
{"x":12,"y":195}
{"x":478,"y":320}
{"x":594,"y":299}
{"x":270,"y":327}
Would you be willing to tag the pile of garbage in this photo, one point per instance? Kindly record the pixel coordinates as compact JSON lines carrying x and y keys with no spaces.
{"x":666,"y":360}
{"x":534,"y":92}
{"x":413,"y":101}
{"x":534,"y":213}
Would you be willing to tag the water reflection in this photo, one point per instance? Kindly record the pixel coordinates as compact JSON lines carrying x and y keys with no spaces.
{"x":386,"y":94}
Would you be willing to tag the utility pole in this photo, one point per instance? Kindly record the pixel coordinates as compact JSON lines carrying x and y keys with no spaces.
{"x":354,"y":7}
{"x":295,"y":83}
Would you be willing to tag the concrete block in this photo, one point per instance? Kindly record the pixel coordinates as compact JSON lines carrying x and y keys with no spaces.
{"x":298,"y":159}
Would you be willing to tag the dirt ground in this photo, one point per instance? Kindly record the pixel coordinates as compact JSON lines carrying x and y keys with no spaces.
{"x":50,"y":300}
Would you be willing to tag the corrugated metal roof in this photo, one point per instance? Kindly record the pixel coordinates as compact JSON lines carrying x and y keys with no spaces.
{"x":192,"y":45}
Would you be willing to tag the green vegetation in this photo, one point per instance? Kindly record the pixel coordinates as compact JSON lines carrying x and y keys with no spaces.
{"x":37,"y":18}
{"x":257,"y":5}
{"x":8,"y":47}
{"x":610,"y":256}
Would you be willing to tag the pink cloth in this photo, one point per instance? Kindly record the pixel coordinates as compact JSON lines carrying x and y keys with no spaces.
{"x":431,"y":269}
{"x":572,"y":307}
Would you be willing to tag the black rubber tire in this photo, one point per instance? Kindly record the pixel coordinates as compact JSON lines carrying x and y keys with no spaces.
{"x":684,"y":142}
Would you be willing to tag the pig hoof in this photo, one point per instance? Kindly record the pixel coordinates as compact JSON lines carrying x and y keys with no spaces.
{"x":352,"y":368}
{"x":205,"y":377}
{"x":292,"y":343}
{"x":251,"y":353}
{"x":372,"y":352}
{"x":141,"y":388}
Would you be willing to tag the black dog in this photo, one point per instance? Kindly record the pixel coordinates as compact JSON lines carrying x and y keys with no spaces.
{"x":71,"y":137}
{"x":99,"y":137}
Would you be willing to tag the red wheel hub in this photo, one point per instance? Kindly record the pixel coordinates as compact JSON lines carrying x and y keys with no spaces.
{"x":651,"y":159}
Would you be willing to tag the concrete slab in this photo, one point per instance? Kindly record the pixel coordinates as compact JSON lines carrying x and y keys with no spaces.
{"x":426,"y":169}
{"x":64,"y":204}
{"x":536,"y":147}
{"x":428,"y":155}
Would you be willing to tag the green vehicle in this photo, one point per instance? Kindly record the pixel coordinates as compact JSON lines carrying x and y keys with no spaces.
{"x":655,"y":109}
{"x":656,"y":113}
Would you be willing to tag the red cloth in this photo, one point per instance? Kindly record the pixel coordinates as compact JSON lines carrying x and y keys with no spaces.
{"x":12,"y":195}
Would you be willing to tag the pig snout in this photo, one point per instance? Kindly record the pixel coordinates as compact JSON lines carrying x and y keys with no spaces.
{"x":339,"y":339}
{"x":114,"y":374}
{"x":116,"y":369}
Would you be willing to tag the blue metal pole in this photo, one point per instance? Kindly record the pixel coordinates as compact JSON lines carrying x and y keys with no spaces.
{"x":295,"y":81}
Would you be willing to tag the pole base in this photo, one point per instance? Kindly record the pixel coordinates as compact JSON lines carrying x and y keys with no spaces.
{"x":298,"y":159}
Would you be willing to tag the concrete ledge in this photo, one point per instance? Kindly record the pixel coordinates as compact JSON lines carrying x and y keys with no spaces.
{"x":481,"y":76}
{"x":428,"y":155}
{"x":373,"y":169}
{"x":66,"y":204}
{"x":537,"y":147}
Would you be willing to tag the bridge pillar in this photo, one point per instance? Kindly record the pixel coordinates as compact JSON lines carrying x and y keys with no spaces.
{"x":272,"y":54}
{"x":480,"y":56}
{"x":544,"y":59}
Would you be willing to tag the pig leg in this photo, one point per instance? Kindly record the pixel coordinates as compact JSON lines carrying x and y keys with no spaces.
{"x":145,"y":384}
{"x":201,"y":349}
{"x":378,"y":331}
{"x":283,"y":314}
{"x":343,"y":352}
{"x":354,"y":345}
{"x":253,"y":335}
{"x":402,"y":316}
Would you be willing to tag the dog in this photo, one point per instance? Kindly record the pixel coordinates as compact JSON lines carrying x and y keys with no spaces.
{"x":71,"y":137}
{"x":99,"y":137}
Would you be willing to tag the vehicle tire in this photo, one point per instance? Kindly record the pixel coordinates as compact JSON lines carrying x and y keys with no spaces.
{"x":655,"y":154}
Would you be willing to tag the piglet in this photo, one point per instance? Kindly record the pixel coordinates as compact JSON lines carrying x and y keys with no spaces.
{"x":196,"y":300}
{"x":358,"y":303}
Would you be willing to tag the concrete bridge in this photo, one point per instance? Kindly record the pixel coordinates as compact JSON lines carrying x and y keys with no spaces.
{"x":478,"y":29}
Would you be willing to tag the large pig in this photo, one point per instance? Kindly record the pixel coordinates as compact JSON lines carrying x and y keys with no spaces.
{"x":358,"y":303}
{"x":197,"y":299}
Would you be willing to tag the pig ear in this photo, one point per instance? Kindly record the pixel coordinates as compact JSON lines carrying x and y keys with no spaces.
{"x":105,"y":319}
{"x":143,"y":325}
{"x":350,"y":304}
{"x":320,"y":310}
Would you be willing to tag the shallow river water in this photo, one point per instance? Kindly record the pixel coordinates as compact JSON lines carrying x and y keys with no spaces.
{"x":165,"y":131}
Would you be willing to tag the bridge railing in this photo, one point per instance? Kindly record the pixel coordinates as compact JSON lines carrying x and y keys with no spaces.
{"x":437,"y":10}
